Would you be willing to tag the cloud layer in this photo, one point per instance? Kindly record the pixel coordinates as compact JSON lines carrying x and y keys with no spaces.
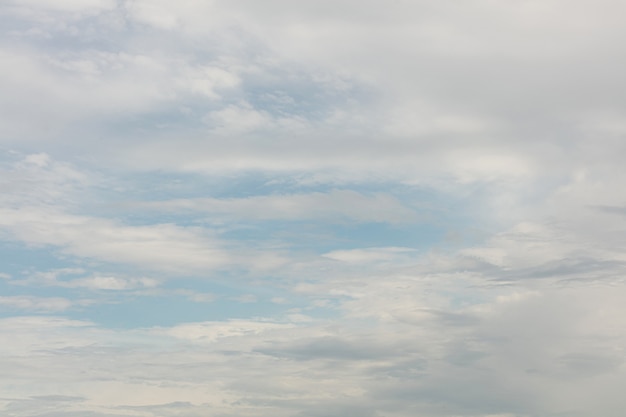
{"x":312,"y":209}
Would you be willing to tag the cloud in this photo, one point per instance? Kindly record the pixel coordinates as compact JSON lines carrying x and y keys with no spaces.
{"x":68,"y":278}
{"x":36,"y":304}
{"x":364,"y":256}
{"x":313,"y":367}
{"x":71,"y":6}
{"x":112,"y":283}
{"x":38,"y":210}
{"x":160,"y":247}
{"x":330,"y":348}
{"x":288,"y":170}
{"x":210,"y":331}
{"x":335,"y":205}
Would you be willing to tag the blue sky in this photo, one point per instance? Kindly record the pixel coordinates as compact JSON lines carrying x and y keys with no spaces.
{"x":312,"y":208}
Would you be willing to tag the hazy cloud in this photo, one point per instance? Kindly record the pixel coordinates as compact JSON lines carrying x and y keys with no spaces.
{"x":312,"y":209}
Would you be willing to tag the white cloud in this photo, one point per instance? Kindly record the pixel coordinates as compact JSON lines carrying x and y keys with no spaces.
{"x":71,"y":6}
{"x":70,"y":278}
{"x":238,"y":119}
{"x":36,"y":304}
{"x":211,"y":331}
{"x":335,"y":205}
{"x":369,"y":255}
{"x":510,"y":108}
{"x":153,"y":13}
{"x":37,"y":210}
{"x":246,"y":298}
{"x":111,"y":283}
{"x":202,"y":297}
{"x":159,"y":247}
{"x":205,"y":80}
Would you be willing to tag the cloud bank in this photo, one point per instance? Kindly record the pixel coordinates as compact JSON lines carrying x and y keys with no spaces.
{"x":312,"y":209}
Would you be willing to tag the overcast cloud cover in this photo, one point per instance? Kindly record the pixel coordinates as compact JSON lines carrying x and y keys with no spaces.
{"x":312,"y":208}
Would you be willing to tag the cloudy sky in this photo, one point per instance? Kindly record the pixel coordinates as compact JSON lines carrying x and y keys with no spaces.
{"x":312,"y":208}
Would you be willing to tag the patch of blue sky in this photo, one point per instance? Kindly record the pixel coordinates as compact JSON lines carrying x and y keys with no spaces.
{"x":17,"y":286}
{"x":437,"y":215}
{"x":164,"y":185}
{"x":17,"y":299}
{"x":24,"y":263}
{"x":321,"y":237}
{"x":18,"y":258}
{"x":116,"y":196}
{"x":168,"y":309}
{"x":223,"y":295}
{"x":177,"y":301}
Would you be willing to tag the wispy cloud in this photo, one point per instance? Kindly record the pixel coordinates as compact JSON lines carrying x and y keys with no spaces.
{"x":333,"y":206}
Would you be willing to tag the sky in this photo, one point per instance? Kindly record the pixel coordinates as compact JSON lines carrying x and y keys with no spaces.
{"x":312,"y":208}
